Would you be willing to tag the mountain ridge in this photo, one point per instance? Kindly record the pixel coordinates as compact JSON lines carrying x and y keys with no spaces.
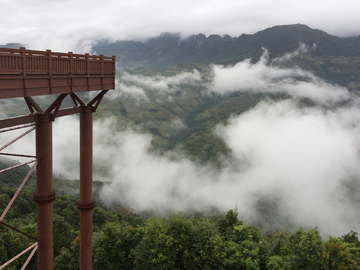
{"x":169,"y":49}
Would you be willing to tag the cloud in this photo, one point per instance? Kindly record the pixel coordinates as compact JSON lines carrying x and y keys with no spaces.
{"x":303,"y":48}
{"x":305,"y":158}
{"x":303,"y":161}
{"x":303,"y":155}
{"x":300,"y":162}
{"x":261,"y":77}
{"x":142,"y":87}
{"x":125,"y":90}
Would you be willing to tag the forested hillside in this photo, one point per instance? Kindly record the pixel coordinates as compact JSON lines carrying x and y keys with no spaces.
{"x":334,"y":60}
{"x":123,"y":240}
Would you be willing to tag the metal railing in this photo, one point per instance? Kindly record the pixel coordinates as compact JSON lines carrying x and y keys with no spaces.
{"x":29,"y":62}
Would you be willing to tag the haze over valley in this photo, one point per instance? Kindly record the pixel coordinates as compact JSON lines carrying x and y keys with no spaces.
{"x":273,"y":131}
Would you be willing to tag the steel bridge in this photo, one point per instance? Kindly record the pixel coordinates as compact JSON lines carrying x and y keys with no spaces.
{"x":27,"y":73}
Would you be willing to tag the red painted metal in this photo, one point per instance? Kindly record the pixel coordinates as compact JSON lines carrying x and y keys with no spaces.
{"x":25,"y":73}
{"x":19,"y":188}
{"x":86,"y":202}
{"x":44,"y":195}
{"x":34,"y":247}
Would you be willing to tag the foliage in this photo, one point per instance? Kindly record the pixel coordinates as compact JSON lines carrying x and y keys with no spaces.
{"x":113,"y":245}
{"x":180,"y":243}
{"x":340,"y":255}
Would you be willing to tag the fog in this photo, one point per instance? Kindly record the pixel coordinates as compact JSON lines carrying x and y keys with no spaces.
{"x":139,"y":86}
{"x":262,"y":77}
{"x":300,"y":162}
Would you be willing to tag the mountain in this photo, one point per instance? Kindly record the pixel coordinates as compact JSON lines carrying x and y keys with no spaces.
{"x":166,"y":57}
{"x":169,"y":49}
{"x":12,"y":45}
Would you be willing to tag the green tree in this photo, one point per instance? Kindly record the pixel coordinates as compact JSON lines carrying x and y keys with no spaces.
{"x":338,"y":255}
{"x":112,"y":246}
{"x":180,"y":243}
{"x":308,"y":250}
{"x":69,"y":257}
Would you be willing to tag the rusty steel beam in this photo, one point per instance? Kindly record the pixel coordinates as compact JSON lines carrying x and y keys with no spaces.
{"x":86,"y":202}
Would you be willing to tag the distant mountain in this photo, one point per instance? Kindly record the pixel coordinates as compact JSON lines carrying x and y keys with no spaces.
{"x":169,"y":49}
{"x":12,"y":45}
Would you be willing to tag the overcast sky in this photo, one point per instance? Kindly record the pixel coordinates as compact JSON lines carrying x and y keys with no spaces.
{"x":74,"y":25}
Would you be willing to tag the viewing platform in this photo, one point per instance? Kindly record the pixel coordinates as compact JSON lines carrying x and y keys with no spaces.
{"x":26,"y":73}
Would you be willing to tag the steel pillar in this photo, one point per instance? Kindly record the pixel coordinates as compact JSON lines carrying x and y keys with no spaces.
{"x":86,"y":202}
{"x":44,"y":194}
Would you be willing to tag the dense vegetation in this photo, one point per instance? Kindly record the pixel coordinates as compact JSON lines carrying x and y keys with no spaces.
{"x":124,"y":240}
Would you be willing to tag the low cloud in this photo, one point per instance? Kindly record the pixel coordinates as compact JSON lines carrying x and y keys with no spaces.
{"x":303,"y":48}
{"x":123,"y":90}
{"x":301,"y":162}
{"x":305,"y":159}
{"x":140,"y":86}
{"x":261,"y":77}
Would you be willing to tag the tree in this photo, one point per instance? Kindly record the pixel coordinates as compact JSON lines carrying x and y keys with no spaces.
{"x":338,"y":255}
{"x":113,"y":244}
{"x":180,"y":243}
{"x":308,"y":248}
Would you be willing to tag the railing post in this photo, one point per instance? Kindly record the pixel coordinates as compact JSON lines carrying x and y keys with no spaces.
{"x":87,"y":64}
{"x":44,"y":194}
{"x":50,"y":69}
{"x":71,"y":64}
{"x":23,"y":54}
{"x":50,"y":62}
{"x":86,"y":202}
{"x":71,"y":71}
{"x":102,"y":64}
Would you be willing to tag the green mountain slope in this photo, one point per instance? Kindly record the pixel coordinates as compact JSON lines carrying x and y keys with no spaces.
{"x":169,"y":49}
{"x":332,"y":58}
{"x":187,"y":117}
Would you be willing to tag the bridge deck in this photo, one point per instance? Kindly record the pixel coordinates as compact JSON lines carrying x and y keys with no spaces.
{"x":25,"y":73}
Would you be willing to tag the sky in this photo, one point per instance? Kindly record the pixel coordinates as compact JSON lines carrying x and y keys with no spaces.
{"x":75,"y":25}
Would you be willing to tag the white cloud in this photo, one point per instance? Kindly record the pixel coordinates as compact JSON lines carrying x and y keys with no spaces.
{"x":261,"y":77}
{"x":301,"y":156}
{"x":141,"y":86}
{"x":305,"y":158}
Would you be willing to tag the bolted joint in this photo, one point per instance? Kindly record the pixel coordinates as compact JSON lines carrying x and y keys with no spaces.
{"x":44,"y":198}
{"x":86,"y":206}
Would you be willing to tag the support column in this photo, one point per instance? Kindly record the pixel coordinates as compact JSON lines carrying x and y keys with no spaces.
{"x":86,"y":202}
{"x":44,"y":194}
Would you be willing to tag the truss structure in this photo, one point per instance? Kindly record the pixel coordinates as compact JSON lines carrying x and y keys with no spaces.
{"x":25,"y":73}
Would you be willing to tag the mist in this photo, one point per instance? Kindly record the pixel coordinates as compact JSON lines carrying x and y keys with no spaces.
{"x":300,"y":162}
{"x":265,"y":77}
{"x":303,"y":162}
{"x":141,"y":87}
